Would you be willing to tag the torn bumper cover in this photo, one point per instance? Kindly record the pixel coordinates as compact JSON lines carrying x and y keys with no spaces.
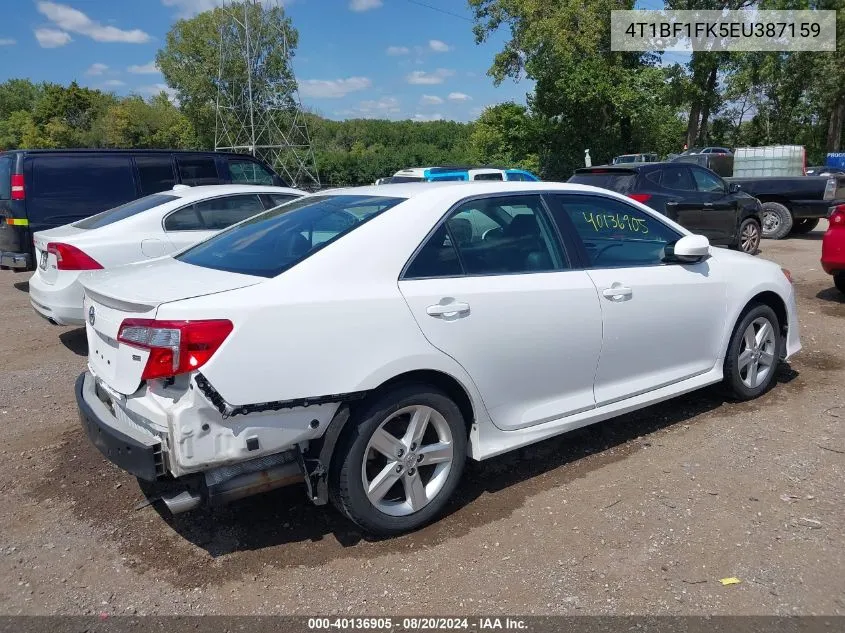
{"x":131,"y":448}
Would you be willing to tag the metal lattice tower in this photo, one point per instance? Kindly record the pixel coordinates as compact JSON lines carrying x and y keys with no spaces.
{"x":258,"y":108}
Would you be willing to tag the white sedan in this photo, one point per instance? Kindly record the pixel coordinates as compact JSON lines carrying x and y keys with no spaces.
{"x":146,"y":228}
{"x":369,"y":340}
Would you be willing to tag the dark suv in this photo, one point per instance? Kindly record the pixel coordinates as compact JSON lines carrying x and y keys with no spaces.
{"x":43,"y":189}
{"x":694,"y":197}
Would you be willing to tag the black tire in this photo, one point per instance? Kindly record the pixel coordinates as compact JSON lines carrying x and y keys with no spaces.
{"x":839,"y":281}
{"x":804,"y":225}
{"x":346,"y":487}
{"x":777,"y":221}
{"x":733,"y":381}
{"x":748,"y":237}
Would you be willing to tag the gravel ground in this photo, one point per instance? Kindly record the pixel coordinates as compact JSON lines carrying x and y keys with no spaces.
{"x":639,"y":515}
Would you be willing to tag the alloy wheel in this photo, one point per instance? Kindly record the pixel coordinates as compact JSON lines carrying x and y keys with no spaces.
{"x":407,"y":460}
{"x":757,"y":352}
{"x":749,"y":239}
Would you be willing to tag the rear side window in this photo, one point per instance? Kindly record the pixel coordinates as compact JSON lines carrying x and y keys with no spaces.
{"x":124,"y":211}
{"x":82,"y":176}
{"x":197,"y":170}
{"x":270,"y":243}
{"x":155,"y":173}
{"x":186,"y":219}
{"x":621,"y":182}
{"x":487,"y":177}
{"x":5,"y":177}
{"x":219,"y":213}
{"x":677,"y":178}
{"x":249,"y":172}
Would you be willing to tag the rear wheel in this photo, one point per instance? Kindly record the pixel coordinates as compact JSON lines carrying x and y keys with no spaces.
{"x":804,"y":225}
{"x":777,"y":220}
{"x":749,"y":236}
{"x":753,"y":353}
{"x":839,"y":281}
{"x":400,"y":461}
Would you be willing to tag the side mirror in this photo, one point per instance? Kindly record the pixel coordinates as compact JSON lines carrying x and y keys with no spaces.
{"x":734,"y":187}
{"x":690,"y":248}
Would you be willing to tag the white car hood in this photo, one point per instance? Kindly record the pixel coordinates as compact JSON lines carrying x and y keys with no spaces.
{"x":159,"y":281}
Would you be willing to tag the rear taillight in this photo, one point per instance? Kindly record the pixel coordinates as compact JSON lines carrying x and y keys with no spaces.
{"x":837,"y":217}
{"x":176,"y":347}
{"x":640,"y":197}
{"x":830,"y":188}
{"x":18,"y":191}
{"x":71,"y":258}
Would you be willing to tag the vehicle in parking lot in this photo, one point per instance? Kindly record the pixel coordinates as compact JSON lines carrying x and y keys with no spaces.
{"x":692,"y":196}
{"x":833,"y":247}
{"x":461,"y":173}
{"x":706,"y":150}
{"x":824,"y":170}
{"x":43,"y":189}
{"x":368,"y":340}
{"x":149,"y":227}
{"x":635,"y":158}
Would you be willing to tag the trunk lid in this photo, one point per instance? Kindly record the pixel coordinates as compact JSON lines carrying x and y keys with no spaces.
{"x":135,"y":292}
{"x":45,"y":263}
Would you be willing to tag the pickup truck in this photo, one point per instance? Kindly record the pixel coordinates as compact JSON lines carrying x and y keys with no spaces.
{"x":793,"y":204}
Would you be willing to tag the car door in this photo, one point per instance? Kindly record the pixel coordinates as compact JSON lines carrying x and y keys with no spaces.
{"x":662,"y":322}
{"x":492,"y":288}
{"x":719,"y":210}
{"x":682,"y":201}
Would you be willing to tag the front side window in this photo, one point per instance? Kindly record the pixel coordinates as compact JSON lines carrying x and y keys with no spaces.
{"x":249,"y":172}
{"x":707,"y":182}
{"x":274,"y":241}
{"x":218,"y":213}
{"x":490,"y":236}
{"x":125,"y":211}
{"x":614,"y":234}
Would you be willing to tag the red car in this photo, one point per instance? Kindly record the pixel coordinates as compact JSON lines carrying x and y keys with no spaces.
{"x":833,"y":247}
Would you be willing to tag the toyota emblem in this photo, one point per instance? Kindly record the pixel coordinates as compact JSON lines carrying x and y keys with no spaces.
{"x":91,"y":316}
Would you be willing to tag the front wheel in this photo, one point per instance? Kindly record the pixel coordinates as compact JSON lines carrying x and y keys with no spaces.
{"x":839,"y":281}
{"x":400,"y":460}
{"x":777,"y":221}
{"x":748,"y":240}
{"x":753,"y":353}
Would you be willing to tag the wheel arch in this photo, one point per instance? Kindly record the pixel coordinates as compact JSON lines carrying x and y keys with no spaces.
{"x":775,"y":302}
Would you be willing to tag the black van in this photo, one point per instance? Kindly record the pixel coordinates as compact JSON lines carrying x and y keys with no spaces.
{"x":43,"y":189}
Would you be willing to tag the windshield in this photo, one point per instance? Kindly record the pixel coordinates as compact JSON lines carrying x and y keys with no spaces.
{"x":124,"y":211}
{"x":692,"y":150}
{"x":270,"y":243}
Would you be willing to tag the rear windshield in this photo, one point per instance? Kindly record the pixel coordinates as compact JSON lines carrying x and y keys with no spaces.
{"x":124,"y":211}
{"x":270,"y":243}
{"x":5,"y":177}
{"x":407,"y":179}
{"x":621,"y":182}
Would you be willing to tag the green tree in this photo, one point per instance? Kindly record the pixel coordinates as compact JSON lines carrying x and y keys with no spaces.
{"x":190,"y":62}
{"x":506,"y":134}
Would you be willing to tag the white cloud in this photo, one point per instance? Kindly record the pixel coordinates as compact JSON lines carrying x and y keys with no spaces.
{"x":374,"y":109}
{"x":114,"y":83}
{"x":421,"y":78}
{"x":7,"y":41}
{"x":364,"y":5}
{"x":459,"y":96}
{"x":395,"y":51}
{"x":334,"y":88}
{"x":145,"y":69}
{"x":438,"y":46}
{"x":431,"y":100}
{"x":70,"y":19}
{"x":428,"y":117}
{"x":52,"y":38}
{"x":96,"y":69}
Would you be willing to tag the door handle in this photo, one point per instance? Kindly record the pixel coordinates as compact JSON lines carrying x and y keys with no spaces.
{"x":452,"y":309}
{"x":617,"y":293}
{"x":708,"y":205}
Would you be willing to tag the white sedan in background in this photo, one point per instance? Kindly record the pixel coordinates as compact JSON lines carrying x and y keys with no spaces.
{"x":367,"y":341}
{"x":146,"y":228}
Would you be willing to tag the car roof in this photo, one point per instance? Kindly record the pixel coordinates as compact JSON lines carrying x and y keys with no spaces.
{"x":459,"y":190}
{"x":210,"y":191}
{"x":95,"y":150}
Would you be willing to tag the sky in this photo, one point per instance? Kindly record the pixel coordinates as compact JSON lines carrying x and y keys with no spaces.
{"x":394,"y":59}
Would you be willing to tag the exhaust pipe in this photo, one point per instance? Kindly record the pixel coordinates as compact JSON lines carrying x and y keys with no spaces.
{"x":238,"y":487}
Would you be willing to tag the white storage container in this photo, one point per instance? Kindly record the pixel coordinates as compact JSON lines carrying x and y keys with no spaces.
{"x":776,"y":160}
